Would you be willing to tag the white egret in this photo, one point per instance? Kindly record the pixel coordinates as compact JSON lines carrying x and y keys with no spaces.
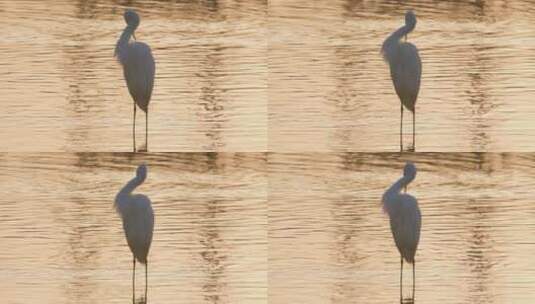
{"x":405,"y":220}
{"x":405,"y":69}
{"x":138,"y":68}
{"x":138,"y":221}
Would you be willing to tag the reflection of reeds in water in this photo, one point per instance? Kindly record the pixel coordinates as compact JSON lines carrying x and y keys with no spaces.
{"x":211,"y":99}
{"x":478,"y":94}
{"x":480,"y":254}
{"x":346,"y":245}
{"x":215,"y":259}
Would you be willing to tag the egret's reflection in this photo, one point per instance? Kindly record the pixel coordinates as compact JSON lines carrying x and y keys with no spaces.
{"x":141,"y":300}
{"x":142,"y":148}
{"x":408,"y":148}
{"x":407,"y":300}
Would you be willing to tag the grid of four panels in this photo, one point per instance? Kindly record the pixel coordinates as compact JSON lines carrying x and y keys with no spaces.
{"x":267,"y":152}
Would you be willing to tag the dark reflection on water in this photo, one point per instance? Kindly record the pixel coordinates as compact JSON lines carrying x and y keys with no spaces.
{"x":211,"y":108}
{"x":210,"y":217}
{"x":215,"y":266}
{"x":330,"y":242}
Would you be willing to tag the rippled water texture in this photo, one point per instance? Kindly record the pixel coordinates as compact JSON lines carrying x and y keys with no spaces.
{"x":330,"y":90}
{"x":62,"y":89}
{"x":329,"y":241}
{"x":63,"y":243}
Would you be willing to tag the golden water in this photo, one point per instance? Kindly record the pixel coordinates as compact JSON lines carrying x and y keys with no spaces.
{"x":284,"y":76}
{"x":63,"y":90}
{"x":62,"y":241}
{"x":330,"y":242}
{"x":330,"y":90}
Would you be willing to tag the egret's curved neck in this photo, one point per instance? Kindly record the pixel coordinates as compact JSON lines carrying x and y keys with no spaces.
{"x":396,"y":187}
{"x":126,"y":191}
{"x":127,"y":33}
{"x":124,"y":39}
{"x":398,"y":34}
{"x":391,"y":43}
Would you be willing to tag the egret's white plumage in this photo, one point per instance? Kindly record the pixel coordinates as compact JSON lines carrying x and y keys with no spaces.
{"x":405,"y":217}
{"x":138,"y":68}
{"x":138,"y":219}
{"x":405,"y":67}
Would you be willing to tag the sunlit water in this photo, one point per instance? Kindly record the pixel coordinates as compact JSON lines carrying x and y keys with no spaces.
{"x":63,"y":90}
{"x":329,"y":241}
{"x":330,"y":90}
{"x":62,"y":241}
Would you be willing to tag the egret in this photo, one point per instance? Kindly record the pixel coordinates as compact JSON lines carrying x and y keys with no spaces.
{"x":405,"y":220}
{"x":138,"y":221}
{"x":405,"y":69}
{"x":138,"y":68}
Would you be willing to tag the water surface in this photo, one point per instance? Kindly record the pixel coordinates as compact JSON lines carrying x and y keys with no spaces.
{"x":63,"y":243}
{"x":330,"y":90}
{"x":62,"y":89}
{"x":329,"y":241}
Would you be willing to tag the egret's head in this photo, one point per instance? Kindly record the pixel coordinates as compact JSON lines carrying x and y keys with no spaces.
{"x":409,"y":171}
{"x":410,"y":19}
{"x":131,"y":18}
{"x":141,"y":171}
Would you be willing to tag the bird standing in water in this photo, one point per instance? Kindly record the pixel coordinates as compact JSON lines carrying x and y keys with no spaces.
{"x":405,"y":69}
{"x":138,"y":221}
{"x":405,"y":220}
{"x":138,"y":69}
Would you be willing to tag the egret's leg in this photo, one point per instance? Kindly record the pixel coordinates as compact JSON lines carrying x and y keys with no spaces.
{"x":401,"y":281}
{"x":413,"y":278}
{"x":134,"y":280}
{"x":134,"y":128}
{"x":146,"y":281}
{"x":147,"y":130}
{"x":414,"y":129}
{"x":401,"y":130}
